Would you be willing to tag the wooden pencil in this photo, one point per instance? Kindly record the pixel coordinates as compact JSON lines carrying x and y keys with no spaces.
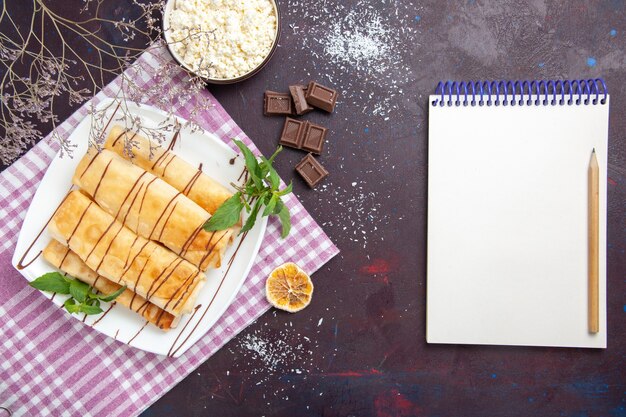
{"x":593,"y":245}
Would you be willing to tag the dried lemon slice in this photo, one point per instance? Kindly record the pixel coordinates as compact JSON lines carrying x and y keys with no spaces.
{"x":289,"y":288}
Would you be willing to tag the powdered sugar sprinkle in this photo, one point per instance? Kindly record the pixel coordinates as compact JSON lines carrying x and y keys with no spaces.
{"x":362,"y":40}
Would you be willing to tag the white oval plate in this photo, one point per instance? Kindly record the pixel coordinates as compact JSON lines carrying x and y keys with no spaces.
{"x":120,"y":323}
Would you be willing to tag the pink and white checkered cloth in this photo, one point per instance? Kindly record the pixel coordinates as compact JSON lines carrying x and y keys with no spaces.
{"x":50,"y":365}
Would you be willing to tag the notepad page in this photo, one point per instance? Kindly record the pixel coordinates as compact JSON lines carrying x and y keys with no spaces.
{"x":507,"y":224}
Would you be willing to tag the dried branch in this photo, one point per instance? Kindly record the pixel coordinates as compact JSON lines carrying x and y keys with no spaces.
{"x":34,"y":76}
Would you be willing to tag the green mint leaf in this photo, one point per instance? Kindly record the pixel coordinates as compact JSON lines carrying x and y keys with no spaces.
{"x":79,"y":290}
{"x":276,"y":152}
{"x":285,"y":220}
{"x":250,"y":188}
{"x":274,"y":180}
{"x":113,"y":296}
{"x":71,"y":306}
{"x":246,"y":205}
{"x":257,"y":179}
{"x":264,"y":167}
{"x":227,"y":215}
{"x":269,"y":207}
{"x":251,"y":163}
{"x":89,"y":310}
{"x":53,"y":282}
{"x":279,"y":206}
{"x":261,"y":188}
{"x":252,"y":218}
{"x":92,"y":302}
{"x":286,"y":190}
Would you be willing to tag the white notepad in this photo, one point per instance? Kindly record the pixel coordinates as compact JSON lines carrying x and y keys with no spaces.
{"x":507,"y":217}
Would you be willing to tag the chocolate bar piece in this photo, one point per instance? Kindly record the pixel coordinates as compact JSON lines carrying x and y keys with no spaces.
{"x":277,"y":104}
{"x":293,"y":133}
{"x":303,"y":135}
{"x":321,"y":97}
{"x":314,"y":138}
{"x":299,"y":100}
{"x":311,"y":170}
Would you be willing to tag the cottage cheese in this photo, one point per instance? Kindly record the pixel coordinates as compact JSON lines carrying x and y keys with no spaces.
{"x":222,"y":38}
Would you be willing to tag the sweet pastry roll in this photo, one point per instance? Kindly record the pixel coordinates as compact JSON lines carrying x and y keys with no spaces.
{"x":112,"y":250}
{"x":63,"y":258}
{"x":151,"y":207}
{"x":186,"y":178}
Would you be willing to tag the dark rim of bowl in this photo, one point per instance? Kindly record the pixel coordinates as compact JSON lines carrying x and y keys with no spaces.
{"x":242,"y":77}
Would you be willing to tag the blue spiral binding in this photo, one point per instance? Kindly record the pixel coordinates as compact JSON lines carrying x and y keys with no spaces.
{"x":520,"y":93}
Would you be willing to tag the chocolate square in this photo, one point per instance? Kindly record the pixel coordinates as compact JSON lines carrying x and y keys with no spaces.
{"x":321,"y":97}
{"x":311,"y":170}
{"x":277,"y":104}
{"x":293,"y":133}
{"x":314,"y":138}
{"x":299,"y":99}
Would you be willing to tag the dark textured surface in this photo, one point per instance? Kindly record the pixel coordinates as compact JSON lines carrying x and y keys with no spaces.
{"x":360,"y":349}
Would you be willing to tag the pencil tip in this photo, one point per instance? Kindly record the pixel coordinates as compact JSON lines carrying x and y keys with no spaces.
{"x":594,"y":150}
